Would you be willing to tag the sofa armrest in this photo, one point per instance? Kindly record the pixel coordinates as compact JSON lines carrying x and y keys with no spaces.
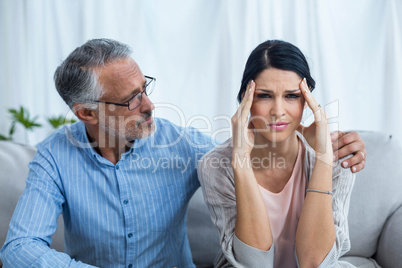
{"x":389,"y":251}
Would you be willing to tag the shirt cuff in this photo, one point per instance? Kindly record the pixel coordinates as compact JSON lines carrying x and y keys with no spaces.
{"x":252,"y":257}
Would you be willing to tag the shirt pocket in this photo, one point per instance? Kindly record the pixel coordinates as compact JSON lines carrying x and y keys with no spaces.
{"x":167,"y":207}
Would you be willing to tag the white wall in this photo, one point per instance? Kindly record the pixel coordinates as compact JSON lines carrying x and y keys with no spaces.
{"x":197,"y":50}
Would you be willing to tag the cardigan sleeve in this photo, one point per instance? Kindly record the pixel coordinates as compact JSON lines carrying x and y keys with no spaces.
{"x":342,"y":184}
{"x":217,"y":182}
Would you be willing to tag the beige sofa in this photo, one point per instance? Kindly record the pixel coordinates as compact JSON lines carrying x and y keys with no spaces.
{"x":375,"y":218}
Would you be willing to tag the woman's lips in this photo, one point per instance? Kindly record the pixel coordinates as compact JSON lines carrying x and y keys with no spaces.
{"x":278,"y":125}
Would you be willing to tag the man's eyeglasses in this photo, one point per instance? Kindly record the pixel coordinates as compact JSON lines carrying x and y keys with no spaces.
{"x":135,"y":100}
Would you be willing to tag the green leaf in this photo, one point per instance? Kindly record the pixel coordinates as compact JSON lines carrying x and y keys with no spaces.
{"x":12,"y":129}
{"x":23,"y":117}
{"x":58,"y":121}
{"x":4,"y":138}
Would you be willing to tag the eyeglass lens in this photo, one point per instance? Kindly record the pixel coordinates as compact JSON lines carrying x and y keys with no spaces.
{"x":136,"y":100}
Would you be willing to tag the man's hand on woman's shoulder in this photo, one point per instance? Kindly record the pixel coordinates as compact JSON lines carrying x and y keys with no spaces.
{"x":346,"y":143}
{"x":343,"y":144}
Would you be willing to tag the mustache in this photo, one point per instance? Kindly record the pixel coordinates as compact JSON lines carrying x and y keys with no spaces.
{"x":147,"y":115}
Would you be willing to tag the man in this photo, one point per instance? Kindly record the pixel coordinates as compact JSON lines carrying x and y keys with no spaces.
{"x":121,"y":178}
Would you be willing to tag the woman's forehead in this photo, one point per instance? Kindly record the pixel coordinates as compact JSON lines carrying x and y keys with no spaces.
{"x":274,"y":79}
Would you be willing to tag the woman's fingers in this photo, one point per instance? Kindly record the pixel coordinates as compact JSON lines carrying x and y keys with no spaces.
{"x":243,"y":103}
{"x":242,"y":137}
{"x":311,"y":101}
{"x":249,"y":101}
{"x":319,"y":113}
{"x":322,"y":140}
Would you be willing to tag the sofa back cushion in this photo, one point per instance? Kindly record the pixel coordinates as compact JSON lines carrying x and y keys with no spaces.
{"x":376,"y":194}
{"x":14,"y":159}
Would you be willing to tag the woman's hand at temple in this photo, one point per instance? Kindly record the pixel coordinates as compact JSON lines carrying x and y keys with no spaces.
{"x":252,"y":221}
{"x":343,"y":144}
{"x":320,"y":140}
{"x":243,"y":137}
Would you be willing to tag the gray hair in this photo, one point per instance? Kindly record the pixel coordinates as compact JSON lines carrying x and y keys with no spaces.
{"x":76,"y":79}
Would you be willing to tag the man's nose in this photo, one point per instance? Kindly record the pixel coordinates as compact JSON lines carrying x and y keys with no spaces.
{"x":146,"y":104}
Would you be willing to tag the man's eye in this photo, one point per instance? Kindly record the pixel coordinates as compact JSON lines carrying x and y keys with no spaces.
{"x":133,"y":97}
{"x":293,"y":96}
{"x":263,"y":96}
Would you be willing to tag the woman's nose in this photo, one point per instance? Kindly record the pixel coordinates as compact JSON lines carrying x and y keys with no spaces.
{"x":278,"y":109}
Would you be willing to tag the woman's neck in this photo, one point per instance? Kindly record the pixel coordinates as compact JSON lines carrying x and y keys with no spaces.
{"x":280,"y":155}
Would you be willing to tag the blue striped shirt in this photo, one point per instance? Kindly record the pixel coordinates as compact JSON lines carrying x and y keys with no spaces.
{"x":132,"y":214}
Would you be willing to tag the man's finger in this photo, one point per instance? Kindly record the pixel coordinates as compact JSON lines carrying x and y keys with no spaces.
{"x":336,"y":135}
{"x":354,"y":160}
{"x":348,"y":149}
{"x":344,"y":139}
{"x":358,"y":167}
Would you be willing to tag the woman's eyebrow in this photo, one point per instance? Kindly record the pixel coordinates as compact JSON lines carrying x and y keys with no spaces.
{"x":265,"y":90}
{"x":271,"y":91}
{"x":292,"y":90}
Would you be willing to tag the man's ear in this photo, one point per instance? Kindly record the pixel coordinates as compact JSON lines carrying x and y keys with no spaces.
{"x":84,"y":114}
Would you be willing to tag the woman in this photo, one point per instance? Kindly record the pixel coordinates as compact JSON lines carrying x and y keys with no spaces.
{"x":276,"y":199}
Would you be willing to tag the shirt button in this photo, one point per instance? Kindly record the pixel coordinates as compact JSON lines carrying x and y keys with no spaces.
{"x":117,"y":167}
{"x":125,"y":202}
{"x":130,"y":235}
{"x":130,"y":266}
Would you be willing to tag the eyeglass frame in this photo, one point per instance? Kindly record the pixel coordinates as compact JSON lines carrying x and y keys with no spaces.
{"x":127,"y":103}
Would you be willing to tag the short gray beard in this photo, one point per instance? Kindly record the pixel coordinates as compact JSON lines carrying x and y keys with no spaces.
{"x":127,"y":135}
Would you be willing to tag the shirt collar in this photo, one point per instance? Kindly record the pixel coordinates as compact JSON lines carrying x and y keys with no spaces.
{"x":77,"y":135}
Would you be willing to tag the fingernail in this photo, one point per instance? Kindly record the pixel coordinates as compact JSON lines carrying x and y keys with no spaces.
{"x":354,"y":169}
{"x":251,"y":82}
{"x":305,"y":83}
{"x":345,"y":164}
{"x":334,"y":157}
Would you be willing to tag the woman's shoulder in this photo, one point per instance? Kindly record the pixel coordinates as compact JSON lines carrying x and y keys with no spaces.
{"x":223,"y":150}
{"x":217,"y":162}
{"x":337,"y":169}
